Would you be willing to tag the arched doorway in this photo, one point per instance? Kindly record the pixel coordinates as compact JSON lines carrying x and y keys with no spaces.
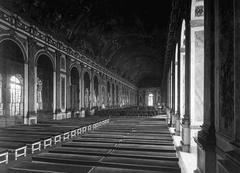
{"x":95,"y":94}
{"x":86,"y":79}
{"x":11,"y":83}
{"x":108,"y":94}
{"x":44,"y":87}
{"x":74,"y":89}
{"x":150,"y":99}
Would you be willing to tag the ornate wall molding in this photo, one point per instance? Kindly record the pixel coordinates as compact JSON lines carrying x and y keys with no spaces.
{"x":15,"y":22}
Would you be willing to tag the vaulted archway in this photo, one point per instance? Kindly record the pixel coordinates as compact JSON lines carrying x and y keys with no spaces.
{"x":11,"y":83}
{"x":45,"y":83}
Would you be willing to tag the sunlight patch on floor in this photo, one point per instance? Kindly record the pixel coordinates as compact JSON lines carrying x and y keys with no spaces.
{"x":187,"y":161}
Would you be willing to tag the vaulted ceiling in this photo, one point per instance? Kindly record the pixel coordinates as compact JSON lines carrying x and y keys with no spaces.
{"x":126,"y":36}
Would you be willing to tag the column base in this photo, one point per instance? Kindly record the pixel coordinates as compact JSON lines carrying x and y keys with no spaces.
{"x":59,"y":116}
{"x":25,"y":120}
{"x":168,"y":116}
{"x":172,"y":123}
{"x":68,"y":115}
{"x":177,"y":125}
{"x":206,"y":155}
{"x":197,"y":171}
{"x":31,"y":118}
{"x":186,"y":136}
{"x":185,"y":147}
{"x":177,"y":133}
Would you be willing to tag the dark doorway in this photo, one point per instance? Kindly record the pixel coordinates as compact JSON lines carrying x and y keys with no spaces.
{"x":86,"y":90}
{"x":74,"y":89}
{"x":44,"y":87}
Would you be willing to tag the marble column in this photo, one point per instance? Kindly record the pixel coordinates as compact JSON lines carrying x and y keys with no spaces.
{"x":197,"y":65}
{"x":186,"y":117}
{"x":32,"y":81}
{"x":206,"y":160}
{"x":168,"y":103}
{"x":91,"y":88}
{"x":25,"y":93}
{"x":80,"y":88}
{"x":177,"y":112}
{"x":170,"y":96}
{"x":54,"y":92}
{"x":173,"y":92}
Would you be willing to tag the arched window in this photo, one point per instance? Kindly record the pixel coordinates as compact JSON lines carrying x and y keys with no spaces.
{"x":16,"y":96}
{"x":44,"y":86}
{"x":150,"y":99}
{"x":11,"y":83}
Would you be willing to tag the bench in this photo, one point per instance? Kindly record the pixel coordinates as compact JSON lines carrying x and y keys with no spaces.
{"x":29,"y":167}
{"x":3,"y":155}
{"x":55,"y":135}
{"x":109,"y":161}
{"x":133,"y":147}
{"x":17,"y":148}
{"x":46,"y":140}
{"x":33,"y":143}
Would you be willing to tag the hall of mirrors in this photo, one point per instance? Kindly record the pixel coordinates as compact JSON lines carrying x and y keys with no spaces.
{"x":192,"y":116}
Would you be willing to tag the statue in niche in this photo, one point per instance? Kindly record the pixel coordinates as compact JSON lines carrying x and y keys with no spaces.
{"x":86,"y":98}
{"x":39,"y":95}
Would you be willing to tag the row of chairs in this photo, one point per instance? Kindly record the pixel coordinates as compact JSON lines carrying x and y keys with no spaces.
{"x":18,"y":141}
